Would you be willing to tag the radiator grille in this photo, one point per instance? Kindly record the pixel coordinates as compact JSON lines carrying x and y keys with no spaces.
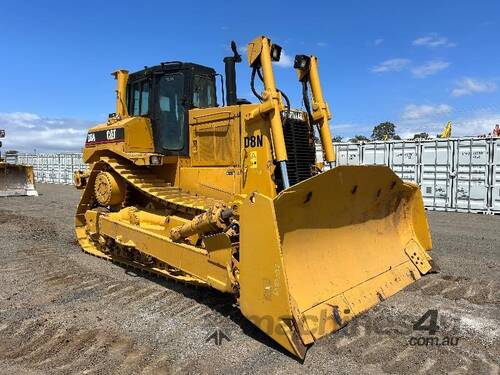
{"x":300,"y":149}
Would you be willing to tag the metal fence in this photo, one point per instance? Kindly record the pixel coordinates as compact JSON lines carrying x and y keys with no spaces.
{"x":53,"y":168}
{"x":455,"y":174}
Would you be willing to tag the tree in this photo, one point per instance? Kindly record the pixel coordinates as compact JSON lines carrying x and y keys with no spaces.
{"x":422,"y":135}
{"x":384,"y":131}
{"x":359,"y":138}
{"x":337,"y":138}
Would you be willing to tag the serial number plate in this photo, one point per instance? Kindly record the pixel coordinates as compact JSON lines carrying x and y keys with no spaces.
{"x":104,"y":136}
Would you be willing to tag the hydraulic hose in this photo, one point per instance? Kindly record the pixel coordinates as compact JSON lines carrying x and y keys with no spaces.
{"x":252,"y":84}
{"x":307,"y":104}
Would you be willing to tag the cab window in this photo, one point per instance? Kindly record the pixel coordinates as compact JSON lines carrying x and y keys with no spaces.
{"x":203,"y":92}
{"x":140,"y":98}
{"x":171,"y":124}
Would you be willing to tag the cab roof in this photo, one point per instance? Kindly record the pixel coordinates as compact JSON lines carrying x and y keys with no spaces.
{"x":171,"y":66}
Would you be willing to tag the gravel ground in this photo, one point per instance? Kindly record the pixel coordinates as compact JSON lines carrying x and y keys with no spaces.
{"x":62,"y":311}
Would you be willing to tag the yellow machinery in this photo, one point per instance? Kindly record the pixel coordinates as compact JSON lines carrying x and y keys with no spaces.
{"x":228,"y":197}
{"x":15,"y":179}
{"x":446,"y":133}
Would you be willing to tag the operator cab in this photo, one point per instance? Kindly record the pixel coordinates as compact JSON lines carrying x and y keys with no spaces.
{"x":165,"y":93}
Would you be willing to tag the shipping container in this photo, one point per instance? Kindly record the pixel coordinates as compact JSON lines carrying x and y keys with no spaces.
{"x":55,"y":168}
{"x":403,"y":159}
{"x":11,"y":157}
{"x":495,"y":175}
{"x":437,"y":173}
{"x":472,"y":170}
{"x":453,"y":174}
{"x":376,"y":153}
{"x":347,"y":154}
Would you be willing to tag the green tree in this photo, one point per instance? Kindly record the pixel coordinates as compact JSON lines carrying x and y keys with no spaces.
{"x":337,"y":138}
{"x":359,"y":138}
{"x":384,"y":131}
{"x":422,"y":135}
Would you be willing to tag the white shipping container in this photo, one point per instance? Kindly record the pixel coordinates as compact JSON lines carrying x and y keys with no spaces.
{"x":54,"y":168}
{"x":454,"y":174}
{"x":347,"y":154}
{"x":470,"y":190}
{"x":495,"y":175}
{"x":403,"y":159}
{"x":376,"y":153}
{"x":436,"y":173}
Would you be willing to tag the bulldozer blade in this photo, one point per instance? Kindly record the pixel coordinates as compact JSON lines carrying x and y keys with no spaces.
{"x":16,"y":180}
{"x":327,"y":249}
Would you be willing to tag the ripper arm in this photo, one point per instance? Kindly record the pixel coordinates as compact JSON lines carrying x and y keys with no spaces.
{"x":307,"y":70}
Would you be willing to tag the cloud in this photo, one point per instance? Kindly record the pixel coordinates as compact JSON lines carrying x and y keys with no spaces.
{"x":429,"y":68}
{"x":347,"y":125}
{"x":28,"y":131}
{"x":322,"y":44}
{"x":479,"y":124}
{"x":378,"y":42}
{"x":433,"y":40}
{"x":469,"y":86}
{"x":474,"y":124}
{"x":285,"y":60}
{"x":392,"y":65}
{"x":416,"y":112}
{"x":348,"y":129}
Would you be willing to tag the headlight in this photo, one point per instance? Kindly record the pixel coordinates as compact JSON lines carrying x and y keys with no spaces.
{"x":302,"y":62}
{"x":275,"y":52}
{"x":155,"y":160}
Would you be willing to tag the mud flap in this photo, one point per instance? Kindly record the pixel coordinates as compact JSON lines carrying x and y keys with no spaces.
{"x":16,"y":180}
{"x":327,"y":249}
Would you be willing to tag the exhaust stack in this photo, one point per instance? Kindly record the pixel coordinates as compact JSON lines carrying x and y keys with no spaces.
{"x":230,"y":70}
{"x":121,"y":77}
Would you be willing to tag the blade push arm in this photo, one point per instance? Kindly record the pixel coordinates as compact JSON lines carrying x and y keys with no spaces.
{"x":261,"y":53}
{"x":307,"y":70}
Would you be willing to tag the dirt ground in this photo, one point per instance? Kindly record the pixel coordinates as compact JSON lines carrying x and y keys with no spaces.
{"x":62,"y":311}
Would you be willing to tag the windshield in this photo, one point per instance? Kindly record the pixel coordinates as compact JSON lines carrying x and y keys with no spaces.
{"x":171,"y":112}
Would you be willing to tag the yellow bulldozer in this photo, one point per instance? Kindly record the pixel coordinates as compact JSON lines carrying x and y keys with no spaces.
{"x":229,"y":197}
{"x":15,"y":179}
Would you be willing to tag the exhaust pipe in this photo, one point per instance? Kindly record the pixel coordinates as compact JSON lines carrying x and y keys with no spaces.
{"x":121,"y":77}
{"x":230,"y":70}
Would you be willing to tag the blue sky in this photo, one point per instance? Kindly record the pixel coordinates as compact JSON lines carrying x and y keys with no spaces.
{"x":417,"y":64}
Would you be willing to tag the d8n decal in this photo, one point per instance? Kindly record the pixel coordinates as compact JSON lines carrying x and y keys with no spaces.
{"x":253,"y":141}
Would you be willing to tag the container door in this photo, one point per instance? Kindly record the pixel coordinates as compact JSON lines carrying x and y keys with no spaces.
{"x":436,"y":178}
{"x":348,"y":154}
{"x":495,"y":175}
{"x":376,"y":153}
{"x":403,"y":160}
{"x":471,"y":187}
